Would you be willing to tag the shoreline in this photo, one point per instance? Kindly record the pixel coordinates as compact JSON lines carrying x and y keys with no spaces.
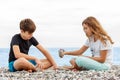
{"x":61,"y":74}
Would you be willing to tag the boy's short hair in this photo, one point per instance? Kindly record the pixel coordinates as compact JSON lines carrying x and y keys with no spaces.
{"x":27,"y":25}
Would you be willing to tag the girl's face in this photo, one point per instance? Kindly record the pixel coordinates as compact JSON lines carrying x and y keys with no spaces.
{"x":87,"y":30}
{"x":26,"y":35}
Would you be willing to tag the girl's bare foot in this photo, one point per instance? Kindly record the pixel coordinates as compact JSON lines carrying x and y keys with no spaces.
{"x":66,"y":67}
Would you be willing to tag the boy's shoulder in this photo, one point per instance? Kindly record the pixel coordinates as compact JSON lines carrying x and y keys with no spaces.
{"x":16,"y":36}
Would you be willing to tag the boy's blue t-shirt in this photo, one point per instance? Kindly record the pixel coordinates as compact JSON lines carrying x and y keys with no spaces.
{"x":24,"y":45}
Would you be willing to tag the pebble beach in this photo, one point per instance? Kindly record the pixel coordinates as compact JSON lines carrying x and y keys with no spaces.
{"x":61,"y":74}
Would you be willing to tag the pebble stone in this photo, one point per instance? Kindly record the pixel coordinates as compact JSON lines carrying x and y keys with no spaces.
{"x":62,"y":74}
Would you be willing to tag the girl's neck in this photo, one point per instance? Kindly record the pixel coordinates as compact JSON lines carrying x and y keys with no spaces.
{"x":95,"y":38}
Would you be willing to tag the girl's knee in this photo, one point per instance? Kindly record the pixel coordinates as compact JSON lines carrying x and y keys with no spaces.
{"x":72,"y":61}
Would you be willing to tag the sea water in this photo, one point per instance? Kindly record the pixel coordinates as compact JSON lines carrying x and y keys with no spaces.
{"x":4,"y":54}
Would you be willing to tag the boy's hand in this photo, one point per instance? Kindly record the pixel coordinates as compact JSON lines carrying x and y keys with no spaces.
{"x":39,"y":64}
{"x":55,"y":67}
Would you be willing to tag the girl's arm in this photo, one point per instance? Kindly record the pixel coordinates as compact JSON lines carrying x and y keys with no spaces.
{"x":102,"y":58}
{"x":76,"y":52}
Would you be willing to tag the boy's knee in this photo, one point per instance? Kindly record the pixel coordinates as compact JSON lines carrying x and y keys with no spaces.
{"x":21,"y":60}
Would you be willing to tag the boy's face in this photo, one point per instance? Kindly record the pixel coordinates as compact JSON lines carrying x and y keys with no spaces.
{"x":26,"y":35}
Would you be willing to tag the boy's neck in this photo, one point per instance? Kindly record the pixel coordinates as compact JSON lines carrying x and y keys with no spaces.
{"x":22,"y":36}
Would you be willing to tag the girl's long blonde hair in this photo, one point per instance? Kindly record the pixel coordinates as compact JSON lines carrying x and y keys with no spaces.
{"x":97,"y":29}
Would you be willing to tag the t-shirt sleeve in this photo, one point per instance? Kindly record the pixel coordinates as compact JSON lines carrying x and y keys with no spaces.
{"x":34,"y":41}
{"x":15,"y":41}
{"x":87,"y":43}
{"x":106,"y":46}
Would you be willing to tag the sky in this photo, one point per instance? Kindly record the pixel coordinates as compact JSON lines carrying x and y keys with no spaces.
{"x":58,"y":21}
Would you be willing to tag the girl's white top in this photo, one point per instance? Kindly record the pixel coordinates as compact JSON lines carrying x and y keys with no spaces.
{"x":96,"y":46}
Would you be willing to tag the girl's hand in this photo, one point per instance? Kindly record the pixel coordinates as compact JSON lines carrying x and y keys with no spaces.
{"x":61,"y":53}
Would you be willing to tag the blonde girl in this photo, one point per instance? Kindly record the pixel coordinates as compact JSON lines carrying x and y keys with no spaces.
{"x":100,"y":44}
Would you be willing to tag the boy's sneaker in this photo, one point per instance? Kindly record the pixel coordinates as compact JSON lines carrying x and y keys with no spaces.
{"x":61,"y":52}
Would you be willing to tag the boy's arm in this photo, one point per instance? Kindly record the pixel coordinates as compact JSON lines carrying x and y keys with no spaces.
{"x":18,"y":54}
{"x":47,"y":54}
